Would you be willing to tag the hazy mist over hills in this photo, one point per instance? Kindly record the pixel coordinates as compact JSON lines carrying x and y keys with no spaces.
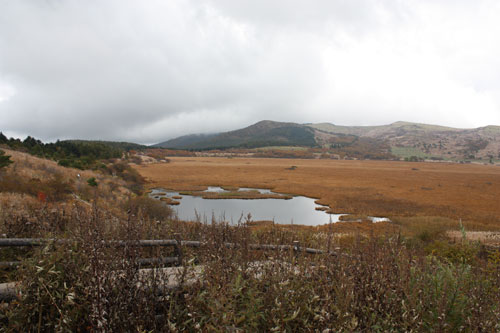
{"x":403,"y":138}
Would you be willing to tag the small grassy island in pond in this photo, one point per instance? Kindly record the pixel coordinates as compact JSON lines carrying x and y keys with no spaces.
{"x":241,"y":195}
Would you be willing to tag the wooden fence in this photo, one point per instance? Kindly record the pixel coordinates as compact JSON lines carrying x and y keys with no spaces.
{"x":8,"y":291}
{"x":176,"y":243}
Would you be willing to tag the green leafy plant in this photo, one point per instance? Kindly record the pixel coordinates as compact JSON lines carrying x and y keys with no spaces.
{"x":462,"y":231}
{"x":92,"y":182}
{"x":4,"y":160}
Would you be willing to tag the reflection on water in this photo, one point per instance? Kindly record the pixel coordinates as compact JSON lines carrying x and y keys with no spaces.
{"x":378,"y":219}
{"x":298,"y":210}
{"x":215,"y":189}
{"x":260,"y":190}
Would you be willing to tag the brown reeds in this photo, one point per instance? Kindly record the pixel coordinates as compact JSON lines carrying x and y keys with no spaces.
{"x":373,"y":188}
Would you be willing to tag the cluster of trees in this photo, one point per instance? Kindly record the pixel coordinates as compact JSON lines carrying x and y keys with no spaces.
{"x":71,"y":153}
{"x":414,"y":158}
{"x":285,"y":153}
{"x":253,"y":137}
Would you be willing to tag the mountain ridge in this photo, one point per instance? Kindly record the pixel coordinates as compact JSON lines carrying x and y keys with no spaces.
{"x":262,"y":133}
{"x":403,"y":139}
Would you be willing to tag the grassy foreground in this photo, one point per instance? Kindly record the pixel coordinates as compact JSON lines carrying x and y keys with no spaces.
{"x":371,"y":284}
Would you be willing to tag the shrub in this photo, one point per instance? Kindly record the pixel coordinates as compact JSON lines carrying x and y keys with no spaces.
{"x":121,"y":169}
{"x":458,"y":253}
{"x":55,"y":188}
{"x":4,"y":160}
{"x":92,"y":182}
{"x":149,"y":208}
{"x":54,"y":292}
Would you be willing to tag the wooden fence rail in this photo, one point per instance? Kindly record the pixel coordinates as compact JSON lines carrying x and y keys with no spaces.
{"x":11,"y":242}
{"x":18,"y":242}
{"x":32,"y":242}
{"x":8,"y":291}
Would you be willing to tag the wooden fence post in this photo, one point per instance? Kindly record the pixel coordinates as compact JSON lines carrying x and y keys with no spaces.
{"x":178,"y":248}
{"x":296,"y":248}
{"x":329,"y":234}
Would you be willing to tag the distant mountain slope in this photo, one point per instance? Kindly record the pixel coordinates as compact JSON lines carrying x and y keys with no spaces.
{"x":427,"y":141}
{"x":184,"y":141}
{"x":400,"y":139}
{"x":261,"y":134}
{"x":400,"y":127}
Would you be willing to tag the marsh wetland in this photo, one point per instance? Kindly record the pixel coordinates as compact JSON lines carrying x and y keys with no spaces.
{"x":287,"y":210}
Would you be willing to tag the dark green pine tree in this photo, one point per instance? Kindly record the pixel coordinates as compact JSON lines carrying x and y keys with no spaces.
{"x":4,"y":160}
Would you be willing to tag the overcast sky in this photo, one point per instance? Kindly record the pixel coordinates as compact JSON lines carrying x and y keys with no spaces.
{"x":146,"y":71}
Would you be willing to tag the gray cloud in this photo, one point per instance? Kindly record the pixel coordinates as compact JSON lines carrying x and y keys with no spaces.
{"x":146,"y":71}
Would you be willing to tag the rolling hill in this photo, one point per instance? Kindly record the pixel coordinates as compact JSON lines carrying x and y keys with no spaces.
{"x":428,"y":141}
{"x":399,"y":139}
{"x":261,"y":134}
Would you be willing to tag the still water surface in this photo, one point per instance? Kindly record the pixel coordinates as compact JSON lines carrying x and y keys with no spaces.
{"x":298,"y":210}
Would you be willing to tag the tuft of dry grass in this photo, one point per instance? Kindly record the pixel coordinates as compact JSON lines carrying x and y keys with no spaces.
{"x":170,"y":201}
{"x":353,"y":218}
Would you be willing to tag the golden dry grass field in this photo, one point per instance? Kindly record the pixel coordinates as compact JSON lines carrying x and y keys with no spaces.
{"x":33,"y":174}
{"x":408,"y":192}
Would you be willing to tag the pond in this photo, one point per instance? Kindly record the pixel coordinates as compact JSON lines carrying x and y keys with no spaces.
{"x":297,"y":210}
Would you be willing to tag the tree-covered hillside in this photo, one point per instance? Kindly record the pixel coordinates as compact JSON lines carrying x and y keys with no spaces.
{"x":261,"y":134}
{"x":79,"y":154}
